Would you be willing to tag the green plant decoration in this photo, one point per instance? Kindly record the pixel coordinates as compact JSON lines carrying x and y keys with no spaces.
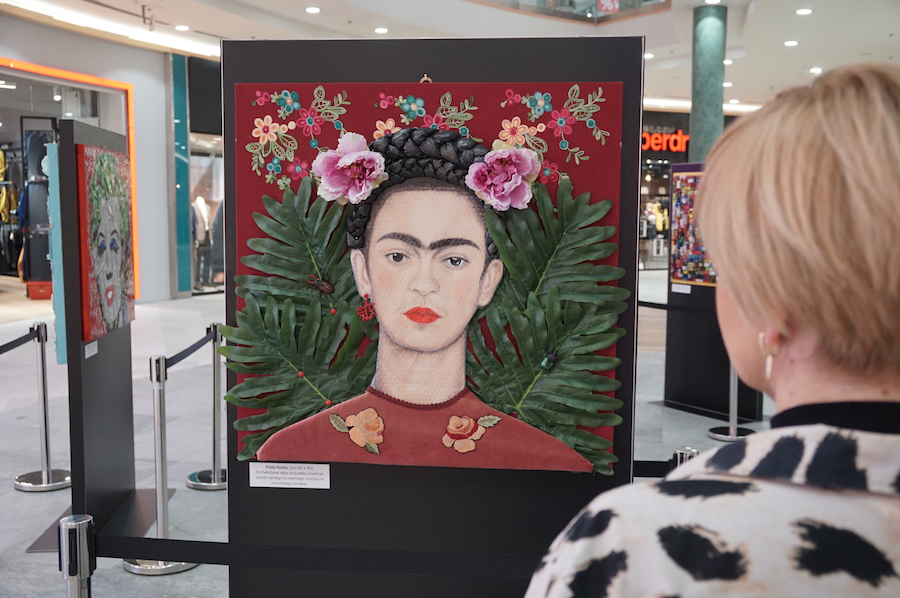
{"x":554,"y":247}
{"x":298,"y":370}
{"x":542,"y":371}
{"x":304,"y":241}
{"x":549,"y":382}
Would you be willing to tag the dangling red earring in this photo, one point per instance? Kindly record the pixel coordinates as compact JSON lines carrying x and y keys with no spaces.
{"x":366,"y":311}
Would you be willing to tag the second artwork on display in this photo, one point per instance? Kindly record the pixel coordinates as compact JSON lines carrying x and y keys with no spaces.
{"x":428,"y":274}
{"x":689,"y":263}
{"x":106,"y":241}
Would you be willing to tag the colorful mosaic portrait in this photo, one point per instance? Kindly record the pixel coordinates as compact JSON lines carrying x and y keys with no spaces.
{"x":107,"y":272}
{"x":428,"y":274}
{"x":689,"y":262}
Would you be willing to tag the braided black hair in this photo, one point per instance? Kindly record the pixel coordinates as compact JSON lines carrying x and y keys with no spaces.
{"x":419,"y":153}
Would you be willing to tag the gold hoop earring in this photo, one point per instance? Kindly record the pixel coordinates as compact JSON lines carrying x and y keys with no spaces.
{"x":769,"y":362}
{"x":770,"y":356}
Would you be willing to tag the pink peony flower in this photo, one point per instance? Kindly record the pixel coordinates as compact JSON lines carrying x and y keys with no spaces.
{"x":350,"y":172}
{"x":502,"y":180}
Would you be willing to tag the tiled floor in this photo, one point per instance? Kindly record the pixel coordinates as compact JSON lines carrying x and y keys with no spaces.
{"x":166,"y":328}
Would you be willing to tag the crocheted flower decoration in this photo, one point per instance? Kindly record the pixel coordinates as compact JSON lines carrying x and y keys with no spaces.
{"x":350,"y":172}
{"x":462,"y":432}
{"x":366,"y":428}
{"x":503,"y":179}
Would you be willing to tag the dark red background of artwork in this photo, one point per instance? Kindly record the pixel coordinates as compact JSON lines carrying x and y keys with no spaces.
{"x":599,"y":174}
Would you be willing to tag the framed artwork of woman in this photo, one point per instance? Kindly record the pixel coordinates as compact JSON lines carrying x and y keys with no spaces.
{"x":104,"y":179}
{"x":434,"y":305}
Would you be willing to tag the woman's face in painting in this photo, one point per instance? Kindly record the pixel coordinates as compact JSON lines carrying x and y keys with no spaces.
{"x":108,"y":256}
{"x":424,"y":267}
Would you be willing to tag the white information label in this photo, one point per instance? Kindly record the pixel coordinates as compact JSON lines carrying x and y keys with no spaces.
{"x":90,"y":349}
{"x":290,"y":475}
{"x":684,"y":289}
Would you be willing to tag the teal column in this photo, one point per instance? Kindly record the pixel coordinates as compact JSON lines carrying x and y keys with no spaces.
{"x":182,"y":172}
{"x":707,"y":76}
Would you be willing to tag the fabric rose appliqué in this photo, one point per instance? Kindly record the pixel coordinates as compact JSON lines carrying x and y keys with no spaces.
{"x":462,"y":432}
{"x":350,"y":172}
{"x":366,"y":428}
{"x":502,"y":180}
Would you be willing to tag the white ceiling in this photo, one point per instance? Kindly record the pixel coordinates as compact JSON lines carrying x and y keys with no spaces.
{"x":838,"y":32}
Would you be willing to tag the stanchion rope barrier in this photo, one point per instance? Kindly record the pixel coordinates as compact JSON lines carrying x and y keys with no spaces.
{"x":515,"y":566}
{"x":18,"y":342}
{"x":178,"y":357}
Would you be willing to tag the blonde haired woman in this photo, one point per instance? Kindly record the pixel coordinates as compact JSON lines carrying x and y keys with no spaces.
{"x":799,"y":209}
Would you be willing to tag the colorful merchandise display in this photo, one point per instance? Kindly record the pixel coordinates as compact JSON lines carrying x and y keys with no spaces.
{"x":334,"y":304}
{"x":689,"y":263}
{"x":107,"y":270}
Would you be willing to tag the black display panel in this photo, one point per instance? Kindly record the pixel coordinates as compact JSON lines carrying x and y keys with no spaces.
{"x":506,"y":518}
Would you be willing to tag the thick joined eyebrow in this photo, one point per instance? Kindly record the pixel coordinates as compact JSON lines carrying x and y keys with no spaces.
{"x":414,"y":242}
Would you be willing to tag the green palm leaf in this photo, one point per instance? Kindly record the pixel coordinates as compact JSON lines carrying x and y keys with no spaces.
{"x":275,"y":348}
{"x":547,"y":378}
{"x":304,"y":239}
{"x":554,"y":248}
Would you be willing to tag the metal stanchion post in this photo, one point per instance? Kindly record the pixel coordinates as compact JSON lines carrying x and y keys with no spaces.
{"x":214,"y":478}
{"x":140,"y":566}
{"x":47,"y":478}
{"x":683,"y":454}
{"x":77,"y":559}
{"x":732,"y":432}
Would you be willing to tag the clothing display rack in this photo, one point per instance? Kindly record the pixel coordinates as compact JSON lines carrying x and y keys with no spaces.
{"x":33,"y":213}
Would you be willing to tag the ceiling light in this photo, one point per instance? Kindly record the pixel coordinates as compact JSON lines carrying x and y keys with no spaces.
{"x":804,"y":11}
{"x":182,"y":28}
{"x":713,"y":1}
{"x":68,"y":114}
{"x":727,"y":84}
{"x":727,"y":61}
{"x":381,"y":30}
{"x":2,"y":82}
{"x":56,"y":95}
{"x":313,"y":10}
{"x":648,"y":56}
{"x":7,"y":85}
{"x":734,"y":101}
{"x":815,"y":70}
{"x":791,"y":44}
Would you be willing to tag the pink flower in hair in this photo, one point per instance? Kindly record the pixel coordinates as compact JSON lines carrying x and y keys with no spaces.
{"x":503,"y":179}
{"x":350,"y":172}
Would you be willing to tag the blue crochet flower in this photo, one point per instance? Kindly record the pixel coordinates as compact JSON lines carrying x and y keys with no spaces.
{"x":274,"y":166}
{"x":289,"y":100}
{"x":313,"y":143}
{"x":563,"y":144}
{"x":464,"y":130}
{"x":540,"y":103}
{"x":591,"y":123}
{"x":413,"y":107}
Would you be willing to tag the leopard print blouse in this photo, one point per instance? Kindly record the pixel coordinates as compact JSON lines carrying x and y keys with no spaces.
{"x":809,"y":510}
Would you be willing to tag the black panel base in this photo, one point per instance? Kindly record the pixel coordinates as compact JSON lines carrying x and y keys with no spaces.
{"x":49,"y":540}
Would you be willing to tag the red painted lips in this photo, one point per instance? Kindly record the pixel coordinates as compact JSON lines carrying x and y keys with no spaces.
{"x":110,"y":295}
{"x":421,"y":315}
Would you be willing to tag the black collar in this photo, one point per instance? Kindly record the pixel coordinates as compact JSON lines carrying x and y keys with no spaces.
{"x":882,"y":417}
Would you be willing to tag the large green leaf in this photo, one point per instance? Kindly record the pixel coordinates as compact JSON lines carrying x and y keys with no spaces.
{"x":554,"y":248}
{"x":547,"y":379}
{"x":275,"y":348}
{"x":305,"y":241}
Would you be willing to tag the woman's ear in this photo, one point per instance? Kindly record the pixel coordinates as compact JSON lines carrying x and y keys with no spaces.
{"x":493,"y":272}
{"x":360,"y":272}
